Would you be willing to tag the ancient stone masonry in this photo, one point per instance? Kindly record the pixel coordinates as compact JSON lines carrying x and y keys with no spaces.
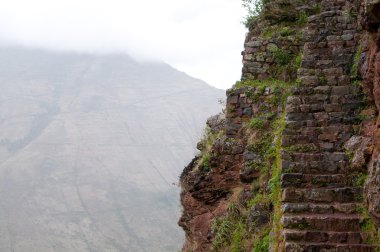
{"x":294,"y":162}
{"x":320,"y":192}
{"x":211,"y":189}
{"x":274,"y":44}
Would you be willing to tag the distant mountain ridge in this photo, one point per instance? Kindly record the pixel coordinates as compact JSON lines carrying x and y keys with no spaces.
{"x":89,"y":148}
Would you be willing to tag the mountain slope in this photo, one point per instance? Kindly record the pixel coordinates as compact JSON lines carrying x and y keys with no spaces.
{"x":89,"y":148}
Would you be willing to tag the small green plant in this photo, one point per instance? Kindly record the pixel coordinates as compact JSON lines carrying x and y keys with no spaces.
{"x":262,"y":243}
{"x":286,"y":31}
{"x":362,"y":118}
{"x":288,"y":170}
{"x":249,"y":94}
{"x":204,"y":165}
{"x":349,"y":154}
{"x":233,"y":210}
{"x":261,"y":85}
{"x":350,"y":13}
{"x":302,"y":18}
{"x":237,"y":238}
{"x":281,"y":57}
{"x":256,"y":123}
{"x":356,"y":82}
{"x":359,"y":209}
{"x":298,"y":36}
{"x":367,"y":226}
{"x":254,"y":9}
{"x":268,"y":32}
{"x":228,"y":231}
{"x":205,"y":146}
{"x":221,"y":228}
{"x":255,"y":187}
{"x":297,"y":61}
{"x":262,"y":145}
{"x":354,"y":68}
{"x":359,"y":179}
{"x":259,"y":199}
{"x":322,"y":80}
{"x":282,"y":30}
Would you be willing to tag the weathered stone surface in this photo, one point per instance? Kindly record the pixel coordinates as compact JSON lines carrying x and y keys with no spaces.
{"x":217,"y":122}
{"x":369,"y":71}
{"x":207,"y":190}
{"x":372,"y":14}
{"x":249,"y":173}
{"x":320,"y":153}
{"x":372,"y":191}
{"x":361,"y":149}
{"x":324,"y":222}
{"x":259,"y":215}
{"x":316,"y":187}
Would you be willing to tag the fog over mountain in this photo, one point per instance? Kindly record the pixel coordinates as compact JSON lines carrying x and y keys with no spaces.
{"x":90,"y":146}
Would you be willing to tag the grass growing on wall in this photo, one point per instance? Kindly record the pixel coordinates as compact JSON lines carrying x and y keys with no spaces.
{"x":368,"y":227}
{"x":262,"y":84}
{"x":274,"y":183}
{"x":354,"y":68}
{"x":254,"y":9}
{"x":234,"y":231}
{"x":205,"y":146}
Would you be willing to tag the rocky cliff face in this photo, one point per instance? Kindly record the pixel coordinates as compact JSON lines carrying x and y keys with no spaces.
{"x":295,"y":164}
{"x":370,"y":73}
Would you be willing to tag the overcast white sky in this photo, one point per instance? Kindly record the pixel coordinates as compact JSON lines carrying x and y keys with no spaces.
{"x":204,"y":38}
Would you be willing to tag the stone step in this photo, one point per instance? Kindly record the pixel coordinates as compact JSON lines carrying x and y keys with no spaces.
{"x":307,"y":131}
{"x":300,"y":124}
{"x":327,"y":247}
{"x":339,"y":96}
{"x":319,"y":156}
{"x":315,"y":167}
{"x":320,"y":96}
{"x":315,"y":147}
{"x":329,"y":142}
{"x":322,"y":222}
{"x":299,"y":92}
{"x":320,"y":208}
{"x":325,"y":118}
{"x":346,"y":117}
{"x":301,"y":180}
{"x":322,"y":195}
{"x":323,"y":237}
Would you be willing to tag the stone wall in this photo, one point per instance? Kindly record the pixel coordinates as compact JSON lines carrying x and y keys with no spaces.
{"x":274,"y":44}
{"x":208,"y":193}
{"x":259,"y":61}
{"x":321,"y":188}
{"x":330,"y":142}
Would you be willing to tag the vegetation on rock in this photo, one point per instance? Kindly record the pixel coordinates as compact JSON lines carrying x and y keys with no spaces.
{"x":282,"y":172}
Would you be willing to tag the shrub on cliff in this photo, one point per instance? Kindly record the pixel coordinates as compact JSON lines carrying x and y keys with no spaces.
{"x":254,"y":8}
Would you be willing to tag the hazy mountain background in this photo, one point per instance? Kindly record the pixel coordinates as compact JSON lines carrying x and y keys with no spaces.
{"x":89,"y":148}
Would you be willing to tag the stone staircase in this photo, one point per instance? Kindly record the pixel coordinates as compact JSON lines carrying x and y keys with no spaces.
{"x":319,"y":197}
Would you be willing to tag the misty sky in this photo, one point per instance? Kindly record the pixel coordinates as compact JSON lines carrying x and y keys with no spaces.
{"x":201,"y":37}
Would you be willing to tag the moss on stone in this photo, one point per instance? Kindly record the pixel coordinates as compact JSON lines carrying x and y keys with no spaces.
{"x":355,"y":64}
{"x":369,"y":228}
